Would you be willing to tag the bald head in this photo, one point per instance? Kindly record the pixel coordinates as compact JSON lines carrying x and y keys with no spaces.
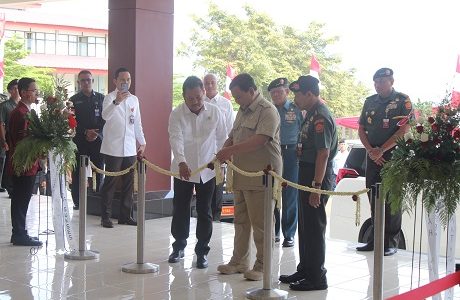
{"x":210,"y":85}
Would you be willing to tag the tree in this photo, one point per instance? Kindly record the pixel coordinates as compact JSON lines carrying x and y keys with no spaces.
{"x":257,"y":45}
{"x":178,"y":80}
{"x":14,"y":52}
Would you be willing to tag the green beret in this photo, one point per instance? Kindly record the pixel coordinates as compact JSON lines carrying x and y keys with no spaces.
{"x":383,"y":72}
{"x":278,"y":82}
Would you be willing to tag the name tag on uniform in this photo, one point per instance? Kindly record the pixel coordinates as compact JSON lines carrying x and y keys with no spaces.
{"x":97,"y":113}
{"x":131,"y":119}
{"x":290,"y":116}
{"x":386,"y":123}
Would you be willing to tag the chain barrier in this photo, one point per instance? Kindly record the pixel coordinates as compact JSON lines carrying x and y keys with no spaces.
{"x":279,"y":181}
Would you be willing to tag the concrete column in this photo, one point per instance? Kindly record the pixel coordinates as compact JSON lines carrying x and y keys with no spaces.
{"x":141,"y":39}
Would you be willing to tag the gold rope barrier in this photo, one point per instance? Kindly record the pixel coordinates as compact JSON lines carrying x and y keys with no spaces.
{"x":119,"y":173}
{"x":215,"y":164}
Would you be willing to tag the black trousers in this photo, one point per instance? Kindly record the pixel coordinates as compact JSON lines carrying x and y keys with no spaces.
{"x":392,"y":219}
{"x":312,"y":225}
{"x":180,"y":225}
{"x":115,"y":164}
{"x":20,"y":198}
{"x":7,"y":182}
{"x":216,"y":203}
{"x":97,"y":158}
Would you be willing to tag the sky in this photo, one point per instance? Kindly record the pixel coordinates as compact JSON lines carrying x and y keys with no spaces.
{"x":419,"y":40}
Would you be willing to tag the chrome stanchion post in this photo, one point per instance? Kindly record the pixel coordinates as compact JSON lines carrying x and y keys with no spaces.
{"x":140,"y":267}
{"x":379,"y":228}
{"x":267,"y":292}
{"x":82,"y":253}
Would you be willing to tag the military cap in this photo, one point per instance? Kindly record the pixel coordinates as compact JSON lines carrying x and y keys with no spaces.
{"x":304,"y":84}
{"x":283,"y":82}
{"x":383,"y":72}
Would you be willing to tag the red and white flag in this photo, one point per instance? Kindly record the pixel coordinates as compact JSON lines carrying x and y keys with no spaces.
{"x":455,"y":102}
{"x":231,"y":73}
{"x":314,"y":67}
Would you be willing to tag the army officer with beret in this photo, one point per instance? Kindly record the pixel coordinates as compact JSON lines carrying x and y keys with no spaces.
{"x":291,"y":121}
{"x":378,"y":131}
{"x":318,"y":138}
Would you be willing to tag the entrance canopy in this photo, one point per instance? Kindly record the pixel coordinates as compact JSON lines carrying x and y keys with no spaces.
{"x":348,"y":122}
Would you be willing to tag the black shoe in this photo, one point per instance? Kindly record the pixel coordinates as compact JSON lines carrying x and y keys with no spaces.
{"x":26,"y":240}
{"x":176,"y":255}
{"x":128,"y":222}
{"x":201,"y":261}
{"x":367,"y":247}
{"x":291,"y":278}
{"x":2,"y":190}
{"x":389,"y":251}
{"x":277,"y":239}
{"x":76,"y":207}
{"x":307,"y":285}
{"x":107,"y":223}
{"x":13,"y":237}
{"x":288,"y":242}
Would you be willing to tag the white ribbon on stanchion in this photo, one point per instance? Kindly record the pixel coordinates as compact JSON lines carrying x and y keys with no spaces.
{"x":61,"y":215}
{"x":379,"y":229}
{"x":267,"y":292}
{"x":433,"y":227}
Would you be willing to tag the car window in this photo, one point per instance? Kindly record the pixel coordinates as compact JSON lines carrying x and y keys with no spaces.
{"x":357,"y":160}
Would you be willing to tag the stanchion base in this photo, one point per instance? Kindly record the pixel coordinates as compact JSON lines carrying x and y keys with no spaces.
{"x":258,"y":293}
{"x":81,"y":255}
{"x":140,"y":268}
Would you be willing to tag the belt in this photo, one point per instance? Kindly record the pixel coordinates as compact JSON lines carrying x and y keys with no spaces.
{"x":288,"y":146}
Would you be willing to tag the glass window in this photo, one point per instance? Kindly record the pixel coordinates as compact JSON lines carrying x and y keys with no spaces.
{"x":30,"y":45}
{"x":40,"y":46}
{"x":63,"y":37}
{"x":83,"y":46}
{"x":100,"y":50}
{"x":50,"y":47}
{"x":72,"y":48}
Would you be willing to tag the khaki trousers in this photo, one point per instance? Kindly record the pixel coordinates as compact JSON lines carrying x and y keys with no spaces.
{"x":249,"y":214}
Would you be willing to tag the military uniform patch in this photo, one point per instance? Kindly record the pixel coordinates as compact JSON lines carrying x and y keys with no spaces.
{"x":319,"y":126}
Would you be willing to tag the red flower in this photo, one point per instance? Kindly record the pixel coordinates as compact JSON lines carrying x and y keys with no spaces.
{"x":435,"y":127}
{"x":419,"y":128}
{"x":409,"y":141}
{"x":431,"y":120}
{"x":449,"y":127}
{"x":72,"y":121}
{"x":456,"y":133}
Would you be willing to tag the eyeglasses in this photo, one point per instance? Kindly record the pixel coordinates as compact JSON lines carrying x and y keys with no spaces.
{"x":35,"y":91}
{"x":86,"y":80}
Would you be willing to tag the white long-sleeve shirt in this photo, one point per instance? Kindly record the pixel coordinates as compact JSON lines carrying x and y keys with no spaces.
{"x":195,"y":139}
{"x":225,"y":107}
{"x":122,"y":127}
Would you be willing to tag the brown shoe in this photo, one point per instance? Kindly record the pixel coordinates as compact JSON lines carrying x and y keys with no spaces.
{"x":231,"y":268}
{"x":107,"y":223}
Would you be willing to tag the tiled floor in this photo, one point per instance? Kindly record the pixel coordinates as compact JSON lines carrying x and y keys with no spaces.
{"x":47,"y":275}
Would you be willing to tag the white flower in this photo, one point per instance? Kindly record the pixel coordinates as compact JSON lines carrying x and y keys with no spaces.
{"x":424,"y":137}
{"x":408,"y":135}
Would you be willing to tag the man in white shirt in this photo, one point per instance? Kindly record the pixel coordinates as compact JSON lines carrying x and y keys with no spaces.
{"x":196,"y":132}
{"x":225,"y":106}
{"x":122,"y":129}
{"x":340,"y":157}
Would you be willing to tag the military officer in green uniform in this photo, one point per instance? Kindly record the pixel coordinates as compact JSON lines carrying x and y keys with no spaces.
{"x":318,"y":143}
{"x":378,"y":131}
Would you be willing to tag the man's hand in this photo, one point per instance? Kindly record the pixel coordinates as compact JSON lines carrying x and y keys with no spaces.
{"x":224,"y":154}
{"x":380,"y":161}
{"x":91,"y":134}
{"x":375,"y":153}
{"x":314,"y":200}
{"x":121,"y":96}
{"x":5,"y":146}
{"x":141,"y":150}
{"x":184,"y":171}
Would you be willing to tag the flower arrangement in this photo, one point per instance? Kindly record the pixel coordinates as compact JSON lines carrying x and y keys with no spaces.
{"x":52,"y":130}
{"x":427,"y":161}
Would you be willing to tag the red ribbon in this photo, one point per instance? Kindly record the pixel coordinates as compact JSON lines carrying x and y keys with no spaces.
{"x":430,"y":289}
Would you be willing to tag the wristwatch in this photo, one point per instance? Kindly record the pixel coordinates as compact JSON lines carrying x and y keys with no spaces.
{"x":315,"y":184}
{"x":115,"y":102}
